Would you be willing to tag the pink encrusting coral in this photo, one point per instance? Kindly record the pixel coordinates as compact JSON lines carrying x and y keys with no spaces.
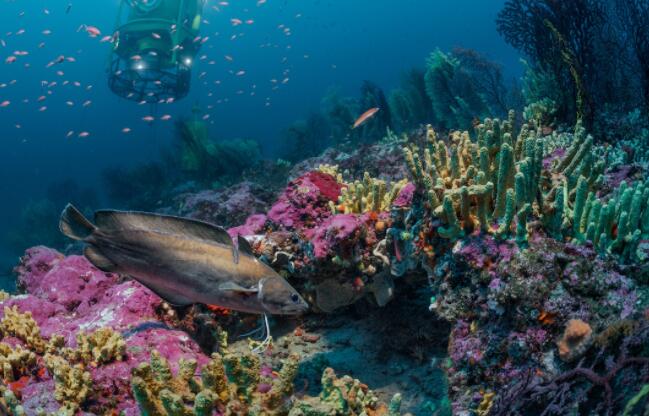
{"x":339,"y":231}
{"x":254,"y":224}
{"x":68,"y":295}
{"x":304,"y":202}
{"x":404,"y":199}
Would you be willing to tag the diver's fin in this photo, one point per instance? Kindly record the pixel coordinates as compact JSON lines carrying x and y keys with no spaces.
{"x":233,"y":287}
{"x":98,"y":259}
{"x":74,"y":225}
{"x":119,"y":220}
{"x":244,"y":245}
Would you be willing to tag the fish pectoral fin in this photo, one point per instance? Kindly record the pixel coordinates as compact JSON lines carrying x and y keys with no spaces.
{"x":98,"y":259}
{"x":233,"y":287}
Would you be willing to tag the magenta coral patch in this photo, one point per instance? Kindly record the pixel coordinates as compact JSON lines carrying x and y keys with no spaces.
{"x":404,"y":199}
{"x":336,"y":230}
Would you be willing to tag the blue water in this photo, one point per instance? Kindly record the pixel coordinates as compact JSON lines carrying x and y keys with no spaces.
{"x":331,"y":43}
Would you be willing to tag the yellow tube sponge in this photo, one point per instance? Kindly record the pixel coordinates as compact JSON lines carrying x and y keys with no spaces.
{"x":23,"y":327}
{"x":72,"y":383}
{"x":101,"y":346}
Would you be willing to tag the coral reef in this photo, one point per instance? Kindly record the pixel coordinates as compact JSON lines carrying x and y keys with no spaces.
{"x":226,"y":207}
{"x":528,"y":245}
{"x":81,"y":340}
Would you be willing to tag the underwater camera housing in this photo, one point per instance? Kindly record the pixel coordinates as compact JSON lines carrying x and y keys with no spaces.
{"x":154,"y":48}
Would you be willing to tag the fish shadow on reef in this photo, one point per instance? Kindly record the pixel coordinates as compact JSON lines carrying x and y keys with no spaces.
{"x":397,"y":348}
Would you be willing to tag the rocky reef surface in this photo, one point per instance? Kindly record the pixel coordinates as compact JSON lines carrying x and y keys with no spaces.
{"x":502,"y":271}
{"x":82,"y":340}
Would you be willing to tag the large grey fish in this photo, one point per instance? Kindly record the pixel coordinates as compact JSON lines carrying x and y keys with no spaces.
{"x":182,"y":260}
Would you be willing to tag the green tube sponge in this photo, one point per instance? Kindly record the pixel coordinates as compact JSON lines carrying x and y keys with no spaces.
{"x":644,"y":220}
{"x":624,"y":203}
{"x":455,"y":162}
{"x":452,"y":230}
{"x":578,"y":210}
{"x":433,"y":200}
{"x":484,"y":164}
{"x":484,"y":198}
{"x":521,"y":225}
{"x":636,"y":208}
{"x":506,"y":223}
{"x":622,"y":230}
{"x":465,"y":206}
{"x":585,"y":217}
{"x":394,"y":409}
{"x":605,"y":222}
{"x":593,"y":218}
{"x":579,"y":157}
{"x":590,"y":232}
{"x":520,"y":190}
{"x":579,"y":139}
{"x":441,"y":157}
{"x":520,"y":140}
{"x":603,"y":243}
{"x":555,"y":218}
{"x":376,"y":197}
{"x":504,"y":168}
{"x":536,"y":167}
{"x":360,"y":192}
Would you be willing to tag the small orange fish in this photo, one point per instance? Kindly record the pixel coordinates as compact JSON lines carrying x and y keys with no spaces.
{"x":218,"y":310}
{"x":365,"y":116}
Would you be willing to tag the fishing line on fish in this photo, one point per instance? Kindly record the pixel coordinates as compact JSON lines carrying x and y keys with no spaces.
{"x":267,"y":341}
{"x":264,"y":328}
{"x":253,"y":332}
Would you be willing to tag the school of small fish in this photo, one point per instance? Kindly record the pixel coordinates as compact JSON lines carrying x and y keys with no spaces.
{"x":35,"y":55}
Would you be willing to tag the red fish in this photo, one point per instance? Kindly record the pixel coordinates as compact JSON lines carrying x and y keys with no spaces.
{"x":365,"y":116}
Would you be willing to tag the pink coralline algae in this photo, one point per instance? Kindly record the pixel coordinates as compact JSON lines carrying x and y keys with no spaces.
{"x":404,"y":199}
{"x":253,"y":225}
{"x":304,"y":202}
{"x":67,"y":295}
{"x":339,"y":231}
{"x":485,"y":252}
{"x":465,"y":348}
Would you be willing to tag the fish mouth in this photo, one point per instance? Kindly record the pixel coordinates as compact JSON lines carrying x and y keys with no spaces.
{"x":295,"y":309}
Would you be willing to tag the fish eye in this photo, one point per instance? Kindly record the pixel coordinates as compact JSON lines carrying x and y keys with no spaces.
{"x":295,"y":298}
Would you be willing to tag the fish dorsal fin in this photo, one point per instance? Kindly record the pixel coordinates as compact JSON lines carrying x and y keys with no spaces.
{"x":244,"y":246}
{"x":122,"y":220}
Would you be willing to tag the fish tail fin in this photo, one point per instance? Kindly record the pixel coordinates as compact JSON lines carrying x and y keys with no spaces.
{"x":74,"y":225}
